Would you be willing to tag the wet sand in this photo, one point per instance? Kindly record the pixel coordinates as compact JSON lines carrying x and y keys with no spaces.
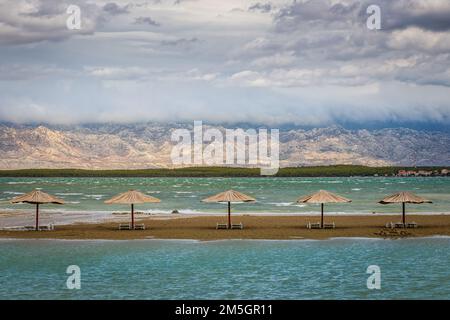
{"x":256,"y":227}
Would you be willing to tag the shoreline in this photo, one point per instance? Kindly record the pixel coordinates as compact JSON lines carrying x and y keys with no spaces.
{"x":255,"y":228}
{"x":225,"y":240}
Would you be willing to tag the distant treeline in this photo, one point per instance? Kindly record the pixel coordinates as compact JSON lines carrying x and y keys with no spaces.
{"x":319,"y":171}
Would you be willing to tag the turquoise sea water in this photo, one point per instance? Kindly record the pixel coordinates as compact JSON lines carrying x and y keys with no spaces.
{"x":154,"y":269}
{"x":273,"y":194}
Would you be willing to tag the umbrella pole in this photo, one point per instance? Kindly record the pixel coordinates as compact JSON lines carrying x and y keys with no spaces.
{"x":132,"y":217}
{"x":321,"y":219}
{"x":404,"y":213}
{"x":229,"y":215}
{"x":37,"y":216}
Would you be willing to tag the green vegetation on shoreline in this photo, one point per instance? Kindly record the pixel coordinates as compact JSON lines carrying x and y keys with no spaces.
{"x":319,"y":171}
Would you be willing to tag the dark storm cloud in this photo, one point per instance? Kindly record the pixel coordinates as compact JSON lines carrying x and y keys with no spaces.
{"x":114,"y":9}
{"x":399,"y":14}
{"x":412,"y":15}
{"x":48,"y":8}
{"x":177,"y":2}
{"x":179,"y":42}
{"x":261,"y":7}
{"x":146,"y":20}
{"x":23,"y":22}
{"x":317,"y":12}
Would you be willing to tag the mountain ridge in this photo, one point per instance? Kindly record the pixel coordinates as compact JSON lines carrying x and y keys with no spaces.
{"x":141,"y":146}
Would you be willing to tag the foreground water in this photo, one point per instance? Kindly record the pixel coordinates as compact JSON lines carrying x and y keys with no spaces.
{"x":274,"y":195}
{"x":154,"y":269}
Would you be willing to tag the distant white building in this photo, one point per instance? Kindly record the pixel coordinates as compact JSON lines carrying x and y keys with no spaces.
{"x":425,"y":173}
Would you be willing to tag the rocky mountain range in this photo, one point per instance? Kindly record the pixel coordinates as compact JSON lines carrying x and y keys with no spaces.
{"x":138,"y":146}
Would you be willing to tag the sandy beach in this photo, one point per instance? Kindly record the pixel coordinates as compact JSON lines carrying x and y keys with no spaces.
{"x":256,"y":227}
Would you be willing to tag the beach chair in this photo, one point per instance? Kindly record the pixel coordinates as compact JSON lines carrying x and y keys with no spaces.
{"x":313,"y":225}
{"x":221,"y":226}
{"x":139,"y":227}
{"x":13,"y":229}
{"x":412,"y":225}
{"x":239,"y":226}
{"x":124,"y":227}
{"x":400,"y":225}
{"x":49,"y":227}
{"x":329,"y":225}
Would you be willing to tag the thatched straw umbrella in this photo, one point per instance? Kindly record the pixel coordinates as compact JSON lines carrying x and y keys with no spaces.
{"x":229,"y":197}
{"x":37,"y":197}
{"x":404,"y":198}
{"x":132,"y":197}
{"x":323,"y":197}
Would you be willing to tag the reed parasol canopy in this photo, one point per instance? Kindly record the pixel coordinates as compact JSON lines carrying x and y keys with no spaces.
{"x":229,"y":197}
{"x":404,"y":198}
{"x":132,"y":197}
{"x":322,"y":197}
{"x":37,"y":197}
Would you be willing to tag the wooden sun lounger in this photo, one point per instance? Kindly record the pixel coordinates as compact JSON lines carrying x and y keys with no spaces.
{"x":49,"y":227}
{"x":313,"y":225}
{"x":400,"y":225}
{"x":317,"y":225}
{"x":411,"y":225}
{"x":124,"y":227}
{"x":221,"y":226}
{"x":392,"y":225}
{"x":25,"y":228}
{"x":329,"y":225}
{"x":239,"y":226}
{"x":139,"y":227}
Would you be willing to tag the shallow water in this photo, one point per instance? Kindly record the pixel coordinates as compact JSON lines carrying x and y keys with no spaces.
{"x":274,"y":195}
{"x":157,"y":269}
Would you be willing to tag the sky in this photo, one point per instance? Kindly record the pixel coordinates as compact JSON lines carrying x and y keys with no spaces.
{"x":307,"y":63}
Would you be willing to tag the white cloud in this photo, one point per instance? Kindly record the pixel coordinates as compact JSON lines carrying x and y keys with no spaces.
{"x":24,"y":22}
{"x":113,"y":73}
{"x":349,"y":74}
{"x":417,"y":39}
{"x":282,"y":59}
